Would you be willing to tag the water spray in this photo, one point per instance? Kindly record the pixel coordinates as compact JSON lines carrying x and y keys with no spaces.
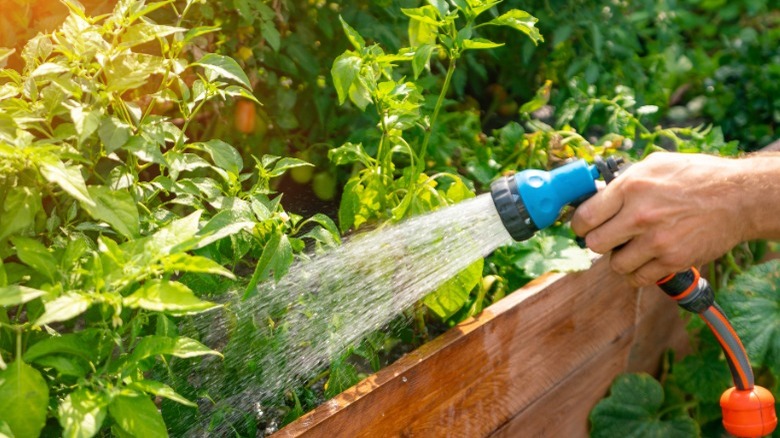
{"x":532,"y":200}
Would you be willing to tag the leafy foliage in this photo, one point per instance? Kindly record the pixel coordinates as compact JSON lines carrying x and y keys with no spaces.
{"x":753,"y":304}
{"x":110,"y":212}
{"x":634,"y":408}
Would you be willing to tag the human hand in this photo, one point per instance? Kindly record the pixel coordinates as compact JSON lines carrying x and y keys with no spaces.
{"x":667,"y":213}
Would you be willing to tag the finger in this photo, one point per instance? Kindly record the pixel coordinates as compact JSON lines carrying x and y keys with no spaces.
{"x":611,"y":234}
{"x":595,"y":211}
{"x":648,"y":274}
{"x":630,"y":257}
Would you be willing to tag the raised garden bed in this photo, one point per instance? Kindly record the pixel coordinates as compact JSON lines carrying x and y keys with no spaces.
{"x":534,"y":364}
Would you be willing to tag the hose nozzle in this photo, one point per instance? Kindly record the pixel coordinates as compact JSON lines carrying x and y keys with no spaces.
{"x":531,"y":200}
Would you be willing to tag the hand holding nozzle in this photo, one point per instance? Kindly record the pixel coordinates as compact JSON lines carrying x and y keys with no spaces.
{"x":532,"y":200}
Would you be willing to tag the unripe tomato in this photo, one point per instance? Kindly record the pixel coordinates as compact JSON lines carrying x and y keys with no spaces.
{"x":324,"y":186}
{"x":302,"y":174}
{"x":245,"y":116}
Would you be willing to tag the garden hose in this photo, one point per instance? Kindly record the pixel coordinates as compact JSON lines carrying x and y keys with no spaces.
{"x":748,"y":410}
{"x":532,"y":200}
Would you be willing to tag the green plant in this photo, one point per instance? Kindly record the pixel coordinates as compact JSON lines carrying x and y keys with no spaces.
{"x":115,"y":225}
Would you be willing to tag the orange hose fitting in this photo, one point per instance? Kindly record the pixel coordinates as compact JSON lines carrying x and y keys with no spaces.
{"x":748,"y":412}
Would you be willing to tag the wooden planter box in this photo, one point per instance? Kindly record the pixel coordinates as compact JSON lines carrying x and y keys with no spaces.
{"x":533,"y":364}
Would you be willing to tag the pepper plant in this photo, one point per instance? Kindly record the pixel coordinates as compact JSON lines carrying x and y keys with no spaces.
{"x":114,"y":225}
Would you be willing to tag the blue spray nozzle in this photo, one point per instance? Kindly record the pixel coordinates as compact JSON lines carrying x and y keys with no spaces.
{"x":532,"y":199}
{"x":544,"y":194}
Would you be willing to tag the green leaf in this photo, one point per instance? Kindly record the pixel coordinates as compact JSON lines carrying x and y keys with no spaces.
{"x":752,"y":303}
{"x":81,"y":413}
{"x":545,"y":253}
{"x":145,"y":150}
{"x":48,"y":68}
{"x":705,"y":374}
{"x":66,"y":366}
{"x":36,"y":256}
{"x":85,"y":121}
{"x":64,"y":308}
{"x":345,"y":71}
{"x":285,"y":164}
{"x":428,"y":14}
{"x":342,"y":376}
{"x":5,"y":53}
{"x":24,"y":398}
{"x":137,"y":415}
{"x":224,"y":67}
{"x":224,"y":155}
{"x":167,"y":296}
{"x":182,"y":347}
{"x":130,"y":71}
{"x":21,"y":206}
{"x":161,"y":390}
{"x":519,"y":20}
{"x":633,"y":409}
{"x":441,"y":6}
{"x":423,"y":26}
{"x":349,"y":153}
{"x":69,"y":178}
{"x":83,"y":344}
{"x":147,"y":9}
{"x":183,"y":262}
{"x":283,"y":258}
{"x":223,"y":224}
{"x":116,"y":207}
{"x":540,"y":99}
{"x":458,"y":191}
{"x":422,"y":59}
{"x":144,"y":32}
{"x":114,"y":133}
{"x":14,"y":295}
{"x":451,"y":296}
{"x":263,"y":264}
{"x":199,"y":31}
{"x":352,"y":35}
{"x":271,"y":35}
{"x":480,"y":44}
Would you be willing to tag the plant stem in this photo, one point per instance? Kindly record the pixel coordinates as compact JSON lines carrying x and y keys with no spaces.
{"x":18,"y":357}
{"x":436,"y":109}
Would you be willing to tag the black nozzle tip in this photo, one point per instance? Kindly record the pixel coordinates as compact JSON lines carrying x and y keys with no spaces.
{"x":511,"y":208}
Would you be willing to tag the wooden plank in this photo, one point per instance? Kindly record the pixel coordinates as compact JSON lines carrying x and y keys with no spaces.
{"x":660,"y":326}
{"x":478,"y":376}
{"x":566,"y":406}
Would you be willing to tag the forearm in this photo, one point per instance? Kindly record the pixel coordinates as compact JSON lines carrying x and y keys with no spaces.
{"x":760,"y":190}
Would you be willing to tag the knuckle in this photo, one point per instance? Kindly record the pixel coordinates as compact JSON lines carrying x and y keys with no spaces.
{"x":646,"y":218}
{"x":640,"y":279}
{"x":617,"y":264}
{"x":594,"y":242}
